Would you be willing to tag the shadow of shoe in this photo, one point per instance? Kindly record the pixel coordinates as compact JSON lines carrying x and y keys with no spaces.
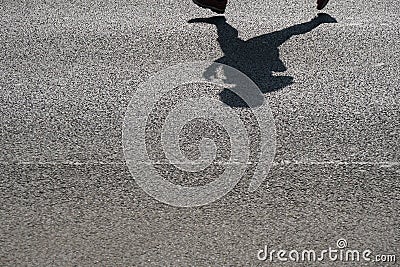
{"x":326,"y":18}
{"x":210,"y":20}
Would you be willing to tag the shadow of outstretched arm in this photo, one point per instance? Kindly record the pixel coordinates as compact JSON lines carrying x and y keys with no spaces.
{"x":281,"y":36}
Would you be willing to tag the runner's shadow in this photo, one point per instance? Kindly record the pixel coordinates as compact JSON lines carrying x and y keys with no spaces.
{"x":258,"y":58}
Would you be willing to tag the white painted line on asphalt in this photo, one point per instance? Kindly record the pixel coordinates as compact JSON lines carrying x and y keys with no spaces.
{"x":385,"y":164}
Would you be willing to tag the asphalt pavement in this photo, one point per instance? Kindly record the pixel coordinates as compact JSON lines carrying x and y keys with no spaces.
{"x":69,"y":69}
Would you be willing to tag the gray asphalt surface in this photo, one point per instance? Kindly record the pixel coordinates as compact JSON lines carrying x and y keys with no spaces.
{"x":68,"y":71}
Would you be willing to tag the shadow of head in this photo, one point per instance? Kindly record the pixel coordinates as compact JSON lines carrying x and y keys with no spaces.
{"x":230,"y":98}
